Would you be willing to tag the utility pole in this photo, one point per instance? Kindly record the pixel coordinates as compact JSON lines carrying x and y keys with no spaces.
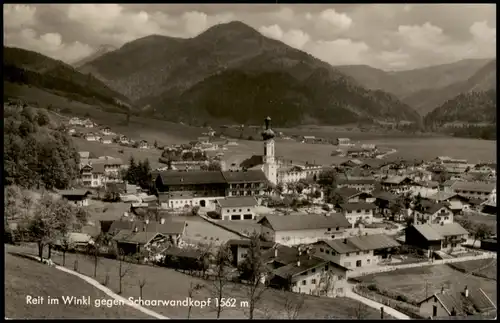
{"x":426,"y":289}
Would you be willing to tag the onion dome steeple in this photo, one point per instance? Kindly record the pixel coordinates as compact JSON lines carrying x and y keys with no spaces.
{"x":268,"y":133}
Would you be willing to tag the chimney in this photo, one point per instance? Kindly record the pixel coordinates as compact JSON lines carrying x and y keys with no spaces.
{"x":275,"y":252}
{"x":466,"y":292}
{"x":442,"y":223}
{"x":345,"y":240}
{"x":135,"y":229}
{"x":162,"y":221}
{"x":298,"y":262}
{"x":442,"y":289}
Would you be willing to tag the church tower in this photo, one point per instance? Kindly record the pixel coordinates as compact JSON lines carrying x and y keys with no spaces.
{"x":270,"y":167}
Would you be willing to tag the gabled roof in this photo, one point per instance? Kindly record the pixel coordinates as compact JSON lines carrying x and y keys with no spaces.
{"x":358,"y":206}
{"x":77,"y":192}
{"x":434,"y":207}
{"x":245,"y":176}
{"x":246,"y":243}
{"x":362,"y":243}
{"x":191,"y":177}
{"x":237,"y":201}
{"x":167,"y":228}
{"x":306,"y":264}
{"x":475,"y":187}
{"x":395,"y":180}
{"x":305,"y":222}
{"x":435,"y":232}
{"x":476,"y":301}
{"x":139,"y":237}
{"x":346,"y":192}
{"x":386,"y":196}
{"x":360,"y":181}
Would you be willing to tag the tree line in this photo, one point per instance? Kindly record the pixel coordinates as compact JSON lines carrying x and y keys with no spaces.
{"x":37,"y":152}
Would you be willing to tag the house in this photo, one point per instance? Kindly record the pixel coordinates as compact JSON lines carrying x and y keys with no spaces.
{"x":477,"y":190}
{"x":203,"y":140}
{"x":424,"y":188}
{"x":201,"y":188}
{"x":384,"y":200}
{"x":143,"y":144}
{"x":74,"y":241}
{"x":435,"y":237}
{"x":231,"y":142}
{"x":300,"y":229}
{"x":308,"y":139}
{"x":84,"y":154}
{"x":76,"y":121}
{"x":359,"y":212}
{"x":106,"y":140}
{"x":130,"y":242}
{"x":300,"y":272}
{"x":92,"y":176}
{"x":360,"y":184}
{"x":88,"y":123}
{"x":91,"y":137}
{"x":343,"y":142}
{"x":433,"y":213}
{"x":448,"y":186}
{"x":78,"y":197}
{"x":359,"y":152}
{"x":237,"y":208}
{"x":357,"y":252}
{"x":71,"y":131}
{"x":172,"y":230}
{"x":187,"y":259}
{"x":124,"y":140}
{"x":456,"y":202}
{"x":244,"y":183}
{"x":397,"y":184}
{"x":466,"y":303}
{"x":294,"y":173}
{"x":348,"y":195}
{"x":107,"y":131}
{"x":239,"y":248}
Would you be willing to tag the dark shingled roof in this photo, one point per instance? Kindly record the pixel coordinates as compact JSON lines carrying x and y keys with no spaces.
{"x":305,"y":222}
{"x":358,"y":206}
{"x":477,"y":301}
{"x":168,"y":228}
{"x":134,"y":237}
{"x":238,"y":201}
{"x":359,"y":181}
{"x":192,"y":177}
{"x":362,"y":243}
{"x":245,"y":176}
{"x":433,"y":208}
{"x":346,"y":192}
{"x":78,"y":192}
{"x":246,"y":243}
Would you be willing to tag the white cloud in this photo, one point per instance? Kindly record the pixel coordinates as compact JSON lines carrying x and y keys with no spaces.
{"x":407,"y":8}
{"x":338,"y":20}
{"x":196,"y":22}
{"x":49,"y":44}
{"x":294,"y":37}
{"x":18,"y":16}
{"x":425,"y":37}
{"x":341,"y":51}
{"x":482,"y":32}
{"x":308,"y":16}
{"x":285,"y":14}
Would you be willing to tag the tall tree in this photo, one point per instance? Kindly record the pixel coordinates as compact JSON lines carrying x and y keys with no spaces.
{"x":220,"y":284}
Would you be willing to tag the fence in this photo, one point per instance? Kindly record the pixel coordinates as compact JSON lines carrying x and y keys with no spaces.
{"x":383,"y":269}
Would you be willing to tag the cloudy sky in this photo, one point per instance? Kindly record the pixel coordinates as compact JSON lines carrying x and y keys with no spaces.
{"x":386,"y":36}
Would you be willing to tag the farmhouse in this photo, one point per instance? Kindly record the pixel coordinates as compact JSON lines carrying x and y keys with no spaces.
{"x":343,"y":142}
{"x":76,"y":121}
{"x":295,"y":173}
{"x":397,"y":184}
{"x":357,"y":212}
{"x":433,"y":213}
{"x":74,"y":241}
{"x":245,"y":183}
{"x":478,"y":190}
{"x":457,"y":203}
{"x":201,"y":188}
{"x":107,"y":131}
{"x":78,"y":197}
{"x":360,"y":184}
{"x":469,"y":302}
{"x":436,"y":237}
{"x":131,"y":242}
{"x":239,"y":248}
{"x":91,"y":137}
{"x":173,"y":230}
{"x":92,"y":176}
{"x":88,"y":123}
{"x":237,"y":208}
{"x":301,"y":229}
{"x":143,"y":144}
{"x":424,"y":188}
{"x":301,"y":272}
{"x":106,"y":139}
{"x":356,"y":252}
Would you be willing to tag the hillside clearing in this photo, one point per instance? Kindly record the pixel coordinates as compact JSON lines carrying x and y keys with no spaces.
{"x":27,"y":277}
{"x":167,"y":284}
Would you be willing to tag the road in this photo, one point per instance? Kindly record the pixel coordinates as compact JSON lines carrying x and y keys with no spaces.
{"x":376,"y":305}
{"x":387,"y":154}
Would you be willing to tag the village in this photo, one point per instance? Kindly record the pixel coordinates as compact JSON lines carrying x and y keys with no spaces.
{"x":319,"y":229}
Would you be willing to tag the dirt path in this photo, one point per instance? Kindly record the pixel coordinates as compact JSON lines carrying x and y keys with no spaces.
{"x":375,"y":305}
{"x":108,"y":291}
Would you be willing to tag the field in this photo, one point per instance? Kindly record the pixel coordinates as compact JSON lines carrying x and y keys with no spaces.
{"x":27,"y":277}
{"x":168,"y":284}
{"x":490,"y":221}
{"x":484,"y":267}
{"x":412,"y":282}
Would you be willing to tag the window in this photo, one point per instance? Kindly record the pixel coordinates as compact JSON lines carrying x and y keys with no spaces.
{"x":333,"y":236}
{"x":367,"y":252}
{"x":329,"y":229}
{"x":234,"y":210}
{"x":321,"y":250}
{"x":337,"y":228}
{"x":367,"y":261}
{"x":248,"y":210}
{"x":313,"y":270}
{"x":328,"y":252}
{"x":347,"y":254}
{"x":340,"y":290}
{"x":326,"y":267}
{"x":313,"y":281}
{"x":358,"y":263}
{"x":239,"y":210}
{"x":445,"y":245}
{"x":304,"y":282}
{"x":247,"y":216}
{"x":357,"y":253}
